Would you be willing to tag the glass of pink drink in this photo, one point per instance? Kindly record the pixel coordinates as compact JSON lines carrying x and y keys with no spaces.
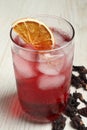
{"x":43,"y":77}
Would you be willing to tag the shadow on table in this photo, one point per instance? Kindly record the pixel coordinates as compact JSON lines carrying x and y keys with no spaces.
{"x":10,"y":106}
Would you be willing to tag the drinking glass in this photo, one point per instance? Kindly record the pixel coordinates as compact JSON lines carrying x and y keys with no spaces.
{"x":43,"y":77}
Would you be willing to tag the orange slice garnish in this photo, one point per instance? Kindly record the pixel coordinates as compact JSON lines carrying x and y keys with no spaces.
{"x":35,"y":33}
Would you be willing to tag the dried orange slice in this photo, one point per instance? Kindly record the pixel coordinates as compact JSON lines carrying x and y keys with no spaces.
{"x":35,"y":33}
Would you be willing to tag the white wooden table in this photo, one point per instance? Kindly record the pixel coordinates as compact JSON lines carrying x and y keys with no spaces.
{"x":11,"y":115}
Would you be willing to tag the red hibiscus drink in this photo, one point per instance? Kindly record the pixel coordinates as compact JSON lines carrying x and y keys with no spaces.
{"x":43,"y":76}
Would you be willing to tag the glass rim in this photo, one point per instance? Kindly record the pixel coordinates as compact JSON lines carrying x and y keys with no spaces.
{"x":51,"y":50}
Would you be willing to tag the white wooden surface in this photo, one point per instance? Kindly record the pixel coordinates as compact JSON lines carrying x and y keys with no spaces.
{"x":11,"y":115}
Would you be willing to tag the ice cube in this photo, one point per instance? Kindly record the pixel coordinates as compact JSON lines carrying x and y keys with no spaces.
{"x":28,"y":55}
{"x":25,"y":68}
{"x":18,"y":40}
{"x":69,"y":59}
{"x":51,"y":64}
{"x":59,"y":39}
{"x":49,"y":82}
{"x":21,"y":42}
{"x":69,"y":55}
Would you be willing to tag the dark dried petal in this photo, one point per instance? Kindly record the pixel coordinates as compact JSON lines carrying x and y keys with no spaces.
{"x":72,"y":101}
{"x":71,"y":108}
{"x":59,"y":124}
{"x":75,"y":84}
{"x":76,"y":122}
{"x":83,"y":111}
{"x":80,"y":97}
{"x":85,"y":87}
{"x":82,"y":127}
{"x":70,"y":111}
{"x":77,"y":95}
{"x":80,"y":69}
{"x":76,"y":81}
{"x":83,"y":77}
{"x":81,"y":80}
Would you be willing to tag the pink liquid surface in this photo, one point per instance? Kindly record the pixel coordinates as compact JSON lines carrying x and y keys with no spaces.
{"x":43,"y":81}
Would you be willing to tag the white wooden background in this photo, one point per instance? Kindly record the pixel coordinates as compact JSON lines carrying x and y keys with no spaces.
{"x":11,"y":115}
